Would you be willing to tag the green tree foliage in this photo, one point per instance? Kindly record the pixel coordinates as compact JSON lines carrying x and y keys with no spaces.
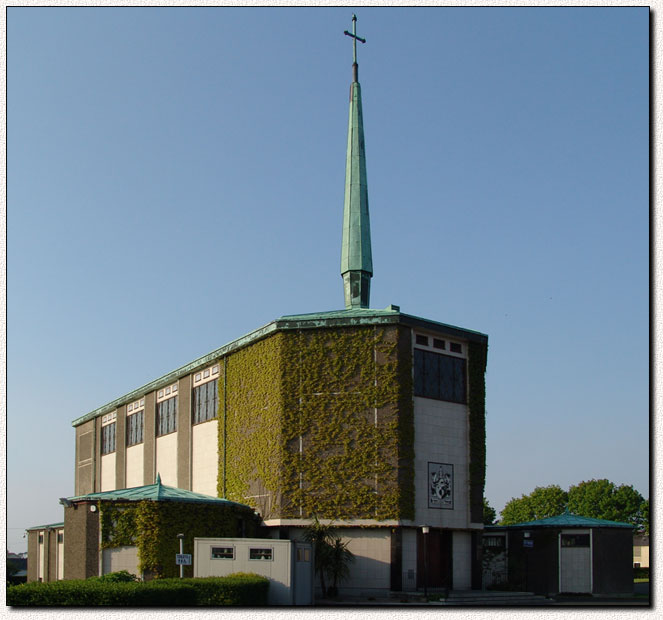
{"x":541,"y":503}
{"x":489,"y":513}
{"x":597,"y":499}
{"x":602,"y":499}
{"x":644,"y":512}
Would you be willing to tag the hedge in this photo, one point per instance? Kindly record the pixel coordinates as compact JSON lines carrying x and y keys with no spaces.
{"x":236,"y":589}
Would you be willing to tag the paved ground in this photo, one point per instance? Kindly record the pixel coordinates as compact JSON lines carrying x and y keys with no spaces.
{"x":417,"y":600}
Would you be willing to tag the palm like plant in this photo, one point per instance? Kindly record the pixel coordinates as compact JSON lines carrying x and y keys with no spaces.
{"x":338,"y":566}
{"x":320,"y":536}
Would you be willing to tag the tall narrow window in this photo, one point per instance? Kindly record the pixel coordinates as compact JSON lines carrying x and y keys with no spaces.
{"x":135,"y":428}
{"x":205,"y":398}
{"x":167,"y":416}
{"x":108,"y":438}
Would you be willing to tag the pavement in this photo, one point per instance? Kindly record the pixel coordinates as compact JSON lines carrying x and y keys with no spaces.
{"x":483,"y":598}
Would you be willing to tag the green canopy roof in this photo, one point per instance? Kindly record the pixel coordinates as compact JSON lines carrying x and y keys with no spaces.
{"x":568,"y":520}
{"x":156,"y":492}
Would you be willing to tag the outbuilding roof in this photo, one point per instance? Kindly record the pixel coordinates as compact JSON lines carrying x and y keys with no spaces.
{"x":566,"y":519}
{"x":45,"y":527}
{"x":156,"y":492}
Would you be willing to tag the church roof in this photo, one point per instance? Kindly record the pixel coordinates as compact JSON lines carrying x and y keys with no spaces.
{"x":567,"y":519}
{"x":156,"y":492}
{"x":335,"y":318}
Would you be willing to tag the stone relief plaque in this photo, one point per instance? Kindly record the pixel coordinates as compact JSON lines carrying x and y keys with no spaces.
{"x":440,"y":485}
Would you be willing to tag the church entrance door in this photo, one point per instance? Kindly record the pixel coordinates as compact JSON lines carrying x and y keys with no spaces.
{"x":437,"y":566}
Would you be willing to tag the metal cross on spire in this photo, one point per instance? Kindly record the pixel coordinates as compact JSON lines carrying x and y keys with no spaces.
{"x":355,"y":38}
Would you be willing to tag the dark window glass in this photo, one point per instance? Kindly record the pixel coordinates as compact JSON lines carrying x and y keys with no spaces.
{"x":41,"y":538}
{"x":438,"y":344}
{"x":108,"y":438}
{"x":493,"y":541}
{"x":263,"y":553}
{"x":204,"y":401}
{"x":223,"y":553}
{"x":60,"y":537}
{"x":575,"y":540}
{"x":439,"y":376}
{"x":167,"y":416}
{"x":135,"y":429}
{"x":422,"y":339}
{"x":455,"y":347}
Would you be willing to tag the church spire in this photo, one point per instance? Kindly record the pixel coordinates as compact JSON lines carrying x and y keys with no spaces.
{"x":356,"y":259}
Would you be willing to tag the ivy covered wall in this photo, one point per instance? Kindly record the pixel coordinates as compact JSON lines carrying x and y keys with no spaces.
{"x":153,"y":528}
{"x":319,"y":421}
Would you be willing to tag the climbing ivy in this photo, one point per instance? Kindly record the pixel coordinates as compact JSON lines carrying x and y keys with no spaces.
{"x":319,"y":422}
{"x":477,"y":353}
{"x":153,"y":528}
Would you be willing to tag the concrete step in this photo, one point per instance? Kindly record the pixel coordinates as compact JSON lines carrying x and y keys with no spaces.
{"x":494,"y":597}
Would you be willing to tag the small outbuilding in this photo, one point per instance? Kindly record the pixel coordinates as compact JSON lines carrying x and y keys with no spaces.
{"x":563,"y":554}
{"x":288,"y":564}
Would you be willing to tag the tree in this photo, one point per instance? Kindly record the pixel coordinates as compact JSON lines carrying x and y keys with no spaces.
{"x":541,"y":503}
{"x":489,"y":514}
{"x":602,"y":499}
{"x":644,"y":513}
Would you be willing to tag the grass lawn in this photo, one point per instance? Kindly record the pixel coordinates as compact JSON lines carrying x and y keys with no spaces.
{"x":641,"y":580}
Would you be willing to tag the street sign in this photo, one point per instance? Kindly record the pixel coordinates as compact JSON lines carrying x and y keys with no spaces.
{"x":183,"y":559}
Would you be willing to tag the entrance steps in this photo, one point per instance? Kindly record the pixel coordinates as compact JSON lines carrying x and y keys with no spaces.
{"x":494,"y":597}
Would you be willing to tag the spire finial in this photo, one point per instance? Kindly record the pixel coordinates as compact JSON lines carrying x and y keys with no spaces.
{"x":355,"y":38}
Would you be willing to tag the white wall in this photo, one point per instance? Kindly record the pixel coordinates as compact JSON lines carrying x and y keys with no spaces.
{"x":372,"y":566}
{"x":167,"y":459}
{"x":135,"y":469}
{"x":108,"y":472}
{"x":205,"y":457}
{"x":441,"y":435}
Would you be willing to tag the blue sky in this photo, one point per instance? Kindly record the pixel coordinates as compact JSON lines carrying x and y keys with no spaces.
{"x":175,"y":180}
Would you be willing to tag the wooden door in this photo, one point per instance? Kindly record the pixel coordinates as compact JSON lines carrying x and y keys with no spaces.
{"x":437,"y":567}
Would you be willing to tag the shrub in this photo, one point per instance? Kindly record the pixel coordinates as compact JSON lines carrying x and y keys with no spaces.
{"x":122,"y":576}
{"x":641,"y":573}
{"x":236,"y":589}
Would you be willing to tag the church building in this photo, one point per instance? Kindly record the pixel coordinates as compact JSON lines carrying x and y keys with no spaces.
{"x":372,"y":420}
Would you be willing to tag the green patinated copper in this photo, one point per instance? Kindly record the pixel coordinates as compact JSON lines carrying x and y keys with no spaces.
{"x":356,"y":257}
{"x":156,"y":492}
